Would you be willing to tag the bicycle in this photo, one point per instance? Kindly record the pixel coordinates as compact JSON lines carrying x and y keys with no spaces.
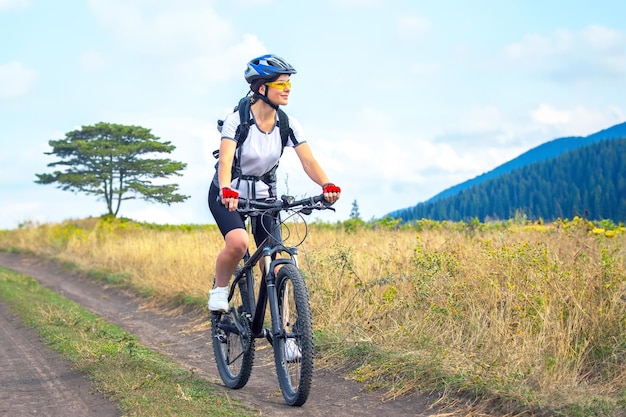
{"x":283,"y":288}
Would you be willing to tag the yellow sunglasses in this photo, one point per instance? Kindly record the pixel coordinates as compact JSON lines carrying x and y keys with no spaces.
{"x":279,"y":85}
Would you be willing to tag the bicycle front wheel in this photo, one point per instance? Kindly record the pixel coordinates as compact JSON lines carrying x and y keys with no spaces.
{"x":293,"y":350}
{"x":233,"y":344}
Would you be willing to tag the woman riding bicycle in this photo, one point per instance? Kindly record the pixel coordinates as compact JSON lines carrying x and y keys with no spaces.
{"x":269,"y":79}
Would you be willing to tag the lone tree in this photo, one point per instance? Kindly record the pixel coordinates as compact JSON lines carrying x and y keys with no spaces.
{"x":113,"y":162}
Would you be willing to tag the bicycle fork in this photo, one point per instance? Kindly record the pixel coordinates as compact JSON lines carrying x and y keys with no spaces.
{"x":277,"y":329}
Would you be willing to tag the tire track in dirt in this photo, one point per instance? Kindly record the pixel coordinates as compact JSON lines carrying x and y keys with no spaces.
{"x":186,"y":339}
{"x":34,"y":380}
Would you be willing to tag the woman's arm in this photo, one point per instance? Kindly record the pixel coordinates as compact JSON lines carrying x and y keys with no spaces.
{"x":310,"y":164}
{"x":224,"y":170}
{"x":315,"y":171}
{"x":225,"y":166}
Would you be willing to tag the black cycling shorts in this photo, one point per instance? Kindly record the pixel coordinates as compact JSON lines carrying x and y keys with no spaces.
{"x":229,"y":220}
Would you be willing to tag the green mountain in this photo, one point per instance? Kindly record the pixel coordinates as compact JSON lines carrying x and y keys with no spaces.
{"x":566,"y":177}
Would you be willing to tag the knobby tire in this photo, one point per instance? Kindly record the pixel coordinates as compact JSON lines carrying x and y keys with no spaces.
{"x":295,"y":375}
{"x":233,"y":344}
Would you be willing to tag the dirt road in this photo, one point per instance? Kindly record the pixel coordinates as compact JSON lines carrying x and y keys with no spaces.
{"x":178,"y":336}
{"x":35,"y":380}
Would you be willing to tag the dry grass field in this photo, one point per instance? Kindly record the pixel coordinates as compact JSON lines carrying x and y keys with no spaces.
{"x":529,"y":318}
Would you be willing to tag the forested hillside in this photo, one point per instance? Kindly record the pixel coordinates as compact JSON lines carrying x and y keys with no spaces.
{"x":589,"y":181}
{"x":543,"y":152}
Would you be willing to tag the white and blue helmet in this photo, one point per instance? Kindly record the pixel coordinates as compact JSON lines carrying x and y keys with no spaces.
{"x":267,"y":67}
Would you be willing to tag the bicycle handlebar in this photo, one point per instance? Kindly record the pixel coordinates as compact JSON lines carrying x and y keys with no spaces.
{"x":285,"y":202}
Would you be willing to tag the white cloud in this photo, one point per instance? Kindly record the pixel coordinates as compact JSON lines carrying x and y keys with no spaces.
{"x":162,"y":30}
{"x":575,"y":121}
{"x":250,"y":3}
{"x":410,"y":26}
{"x":549,"y":115}
{"x":221,"y":66}
{"x":160,"y":214}
{"x":533,"y":49}
{"x":195,"y":43}
{"x":595,"y":51}
{"x":373,"y":153}
{"x":425,"y":68}
{"x":358,"y":3}
{"x":22,"y":212}
{"x":603,"y":38}
{"x":478,"y":120}
{"x":14,"y":4}
{"x":15,"y":80}
{"x":92,"y":61}
{"x":378,"y":152}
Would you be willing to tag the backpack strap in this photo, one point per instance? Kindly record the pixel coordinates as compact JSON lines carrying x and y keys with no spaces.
{"x":244,"y":116}
{"x":285,"y":130}
{"x":241,"y":134}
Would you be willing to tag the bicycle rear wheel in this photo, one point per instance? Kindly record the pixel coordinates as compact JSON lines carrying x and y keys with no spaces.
{"x":233,"y":344}
{"x":293,"y":351}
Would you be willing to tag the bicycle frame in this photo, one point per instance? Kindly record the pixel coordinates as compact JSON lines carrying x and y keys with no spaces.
{"x":267,"y":286}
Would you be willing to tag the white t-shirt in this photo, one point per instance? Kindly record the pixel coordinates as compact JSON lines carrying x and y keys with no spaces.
{"x":259,"y":152}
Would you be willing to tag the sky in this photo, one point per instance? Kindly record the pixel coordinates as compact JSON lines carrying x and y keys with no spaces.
{"x":399,"y":99}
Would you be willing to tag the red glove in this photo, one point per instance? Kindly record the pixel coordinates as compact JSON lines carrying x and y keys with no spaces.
{"x":329,"y":187}
{"x":229,"y":193}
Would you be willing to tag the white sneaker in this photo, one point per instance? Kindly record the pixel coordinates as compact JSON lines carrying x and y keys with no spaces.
{"x":292,"y":351}
{"x":218,"y":299}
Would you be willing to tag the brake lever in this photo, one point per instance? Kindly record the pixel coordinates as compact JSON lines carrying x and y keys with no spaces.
{"x":327,"y":205}
{"x":321,"y":205}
